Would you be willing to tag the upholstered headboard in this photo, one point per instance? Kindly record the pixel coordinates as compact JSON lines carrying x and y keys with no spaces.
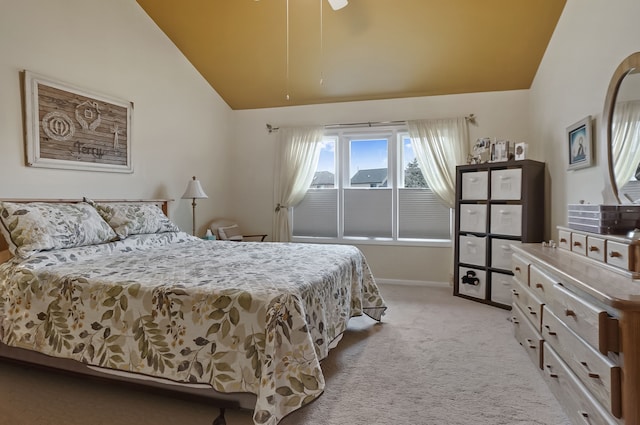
{"x":4,"y":248}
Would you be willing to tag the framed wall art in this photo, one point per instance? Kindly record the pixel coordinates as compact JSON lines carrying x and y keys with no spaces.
{"x":72,"y":128}
{"x":579,"y":144}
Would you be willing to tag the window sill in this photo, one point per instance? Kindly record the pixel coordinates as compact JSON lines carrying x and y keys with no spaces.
{"x":430,"y":243}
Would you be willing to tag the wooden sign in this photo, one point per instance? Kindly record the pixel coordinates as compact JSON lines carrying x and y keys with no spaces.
{"x":75,"y":129}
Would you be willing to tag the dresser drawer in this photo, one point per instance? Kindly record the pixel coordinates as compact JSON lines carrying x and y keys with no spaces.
{"x":472,"y":282}
{"x":501,"y":285}
{"x":501,"y":253}
{"x":520,"y":269}
{"x":564,"y":239}
{"x":540,"y":283}
{"x":473,"y":250}
{"x":473,"y":218}
{"x":619,"y":255}
{"x":599,"y":374}
{"x":528,"y":303}
{"x":576,"y":400}
{"x":506,"y":184}
{"x":506,"y":220}
{"x":592,"y":323}
{"x":579,"y":243}
{"x":527,"y":335}
{"x":475,"y":185}
{"x":596,"y":248}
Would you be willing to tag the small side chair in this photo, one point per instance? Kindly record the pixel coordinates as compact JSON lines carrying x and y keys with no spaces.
{"x":226,"y":229}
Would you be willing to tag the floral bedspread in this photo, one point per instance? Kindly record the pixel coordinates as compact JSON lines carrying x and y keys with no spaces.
{"x":243,"y":317}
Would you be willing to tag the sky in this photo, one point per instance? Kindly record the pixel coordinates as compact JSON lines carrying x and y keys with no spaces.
{"x":365,"y":154}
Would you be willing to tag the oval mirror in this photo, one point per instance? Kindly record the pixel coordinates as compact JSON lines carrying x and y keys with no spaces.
{"x":622,"y":124}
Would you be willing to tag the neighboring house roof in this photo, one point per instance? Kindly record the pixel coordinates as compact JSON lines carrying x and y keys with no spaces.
{"x":323,"y":178}
{"x":374,"y":175}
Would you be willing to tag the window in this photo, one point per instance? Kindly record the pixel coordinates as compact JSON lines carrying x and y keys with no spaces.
{"x":369,"y":188}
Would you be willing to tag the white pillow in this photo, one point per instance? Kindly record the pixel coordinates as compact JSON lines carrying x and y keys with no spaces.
{"x":135,"y":218}
{"x":230,"y":233}
{"x":40,"y":226}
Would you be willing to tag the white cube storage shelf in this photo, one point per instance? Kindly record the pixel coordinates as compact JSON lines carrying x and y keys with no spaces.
{"x":497,"y":204}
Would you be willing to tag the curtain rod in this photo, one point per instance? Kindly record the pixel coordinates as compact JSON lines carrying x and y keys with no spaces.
{"x":471,"y":118}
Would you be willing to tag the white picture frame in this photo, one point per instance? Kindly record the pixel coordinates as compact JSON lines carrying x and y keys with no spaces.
{"x":580,"y":144}
{"x":520,"y":152}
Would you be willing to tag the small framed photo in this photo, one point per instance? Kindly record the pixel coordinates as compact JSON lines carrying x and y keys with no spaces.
{"x":579,"y":144}
{"x":500,"y":150}
{"x":521,"y":151}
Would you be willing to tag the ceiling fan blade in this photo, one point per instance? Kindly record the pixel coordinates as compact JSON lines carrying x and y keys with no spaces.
{"x":338,"y":4}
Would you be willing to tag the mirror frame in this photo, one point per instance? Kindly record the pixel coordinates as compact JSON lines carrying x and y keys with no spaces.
{"x":630,"y":63}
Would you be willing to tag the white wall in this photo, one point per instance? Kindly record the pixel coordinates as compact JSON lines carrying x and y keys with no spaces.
{"x":590,"y":40}
{"x":499,"y":114}
{"x":181,"y":127}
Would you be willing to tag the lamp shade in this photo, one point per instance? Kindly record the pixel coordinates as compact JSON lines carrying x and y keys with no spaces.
{"x":194,"y":190}
{"x":338,"y":4}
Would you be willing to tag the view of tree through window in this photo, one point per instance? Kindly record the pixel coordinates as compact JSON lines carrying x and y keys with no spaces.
{"x":413,"y":176}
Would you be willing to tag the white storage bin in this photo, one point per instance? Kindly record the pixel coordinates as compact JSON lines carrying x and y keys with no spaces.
{"x":473,"y":250}
{"x":472,"y":282}
{"x":501,"y":253}
{"x":506,"y":219}
{"x":506,"y":184}
{"x":473,"y":218}
{"x":475,"y":185}
{"x":501,"y":288}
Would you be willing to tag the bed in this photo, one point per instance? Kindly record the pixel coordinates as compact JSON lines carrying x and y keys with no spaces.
{"x":114,"y":288}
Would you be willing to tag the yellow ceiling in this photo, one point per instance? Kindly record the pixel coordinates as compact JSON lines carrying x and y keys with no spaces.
{"x":371,"y":49}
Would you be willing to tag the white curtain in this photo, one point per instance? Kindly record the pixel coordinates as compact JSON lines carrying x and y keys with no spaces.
{"x":296,"y":163}
{"x":439,"y":146}
{"x":625,"y":128}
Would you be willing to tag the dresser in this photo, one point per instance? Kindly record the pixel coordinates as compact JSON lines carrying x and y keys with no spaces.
{"x":578,"y":318}
{"x":497,"y":205}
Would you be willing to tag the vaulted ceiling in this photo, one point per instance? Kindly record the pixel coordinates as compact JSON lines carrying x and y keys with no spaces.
{"x":269,"y":53}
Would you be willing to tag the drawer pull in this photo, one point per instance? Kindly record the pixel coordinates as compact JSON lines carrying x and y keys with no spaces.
{"x":549,"y":331}
{"x":590,"y":374}
{"x":531,"y":311}
{"x":503,"y":212}
{"x":514,"y":320}
{"x":518,"y":269}
{"x":615,"y":254}
{"x":577,"y":243}
{"x":570,"y":313}
{"x":515,"y":292}
{"x":471,"y":212}
{"x":594,"y":248}
{"x":551,"y":374}
{"x":563,"y":240}
{"x":530,"y":342}
{"x":540,"y":286}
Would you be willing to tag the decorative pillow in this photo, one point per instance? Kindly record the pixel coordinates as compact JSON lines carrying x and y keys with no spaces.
{"x":230,"y":233}
{"x":135,"y":218}
{"x":40,"y":226}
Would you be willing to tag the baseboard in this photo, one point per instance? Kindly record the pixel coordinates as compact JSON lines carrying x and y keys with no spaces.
{"x":412,"y":282}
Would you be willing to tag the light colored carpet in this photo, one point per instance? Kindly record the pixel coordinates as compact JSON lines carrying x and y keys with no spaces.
{"x":435,"y":360}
